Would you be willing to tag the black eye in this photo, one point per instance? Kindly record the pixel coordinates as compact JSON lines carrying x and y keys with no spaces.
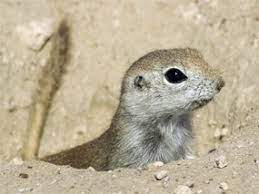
{"x":175,"y":76}
{"x":139,"y":81}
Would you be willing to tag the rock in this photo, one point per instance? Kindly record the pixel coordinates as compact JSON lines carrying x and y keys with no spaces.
{"x":91,"y":169}
{"x":17,"y":161}
{"x":23,"y":175}
{"x":225,"y":131}
{"x":166,"y":181}
{"x":221,"y":162}
{"x":223,"y":186}
{"x":114,"y":176}
{"x":53,"y":182}
{"x":25,"y":190}
{"x":217,"y":133}
{"x":158,"y":164}
{"x":155,"y":164}
{"x":212,"y":123}
{"x":190,"y":184}
{"x":161,"y":174}
{"x":221,"y":133}
{"x":181,"y":189}
{"x":59,"y":171}
{"x":36,"y":33}
{"x":208,"y":181}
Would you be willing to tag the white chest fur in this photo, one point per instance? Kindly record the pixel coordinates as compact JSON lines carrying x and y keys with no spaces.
{"x":161,"y":140}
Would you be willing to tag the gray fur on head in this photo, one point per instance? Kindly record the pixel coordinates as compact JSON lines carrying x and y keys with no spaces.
{"x":152,"y":120}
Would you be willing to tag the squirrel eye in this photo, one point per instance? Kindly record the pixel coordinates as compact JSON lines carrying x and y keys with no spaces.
{"x":139,"y":81}
{"x":175,"y":76}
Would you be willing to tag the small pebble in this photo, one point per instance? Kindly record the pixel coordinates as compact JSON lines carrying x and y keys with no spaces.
{"x":59,"y":171}
{"x":251,"y":143}
{"x":240,"y":146}
{"x":53,"y":182}
{"x":158,"y":164}
{"x":161,"y":174}
{"x":223,"y":186}
{"x":166,"y":179}
{"x":91,"y":169}
{"x":190,"y":184}
{"x":208,"y":181}
{"x":221,"y":162}
{"x":181,"y":189}
{"x":155,"y":164}
{"x":23,"y":190}
{"x":217,"y":133}
{"x":17,"y":161}
{"x":166,"y":182}
{"x":225,"y":131}
{"x":212,"y":123}
{"x":199,"y":192}
{"x":23,"y":175}
{"x":212,"y":150}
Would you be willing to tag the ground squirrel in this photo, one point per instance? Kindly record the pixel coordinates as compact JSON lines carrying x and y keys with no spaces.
{"x":151,"y":123}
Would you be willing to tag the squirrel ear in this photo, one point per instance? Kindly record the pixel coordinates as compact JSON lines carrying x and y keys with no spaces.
{"x":139,"y":81}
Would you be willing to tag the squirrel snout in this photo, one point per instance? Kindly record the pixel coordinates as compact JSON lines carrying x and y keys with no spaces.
{"x":220,"y":83}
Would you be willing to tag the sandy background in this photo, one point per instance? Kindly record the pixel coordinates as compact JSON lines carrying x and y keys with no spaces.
{"x":107,"y":36}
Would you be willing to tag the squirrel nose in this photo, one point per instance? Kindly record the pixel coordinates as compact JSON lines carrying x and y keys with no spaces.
{"x":220,"y":84}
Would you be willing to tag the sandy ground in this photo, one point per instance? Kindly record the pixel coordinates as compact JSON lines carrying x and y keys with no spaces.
{"x":107,"y":36}
{"x":233,"y":168}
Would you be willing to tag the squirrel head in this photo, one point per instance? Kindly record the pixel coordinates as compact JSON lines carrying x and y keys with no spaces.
{"x":169,"y":83}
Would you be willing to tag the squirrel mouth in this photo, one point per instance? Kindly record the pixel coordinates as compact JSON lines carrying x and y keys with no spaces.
{"x":200,"y":103}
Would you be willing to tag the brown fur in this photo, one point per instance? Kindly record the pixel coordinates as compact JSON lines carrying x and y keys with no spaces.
{"x":94,"y":153}
{"x":115,"y":148}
